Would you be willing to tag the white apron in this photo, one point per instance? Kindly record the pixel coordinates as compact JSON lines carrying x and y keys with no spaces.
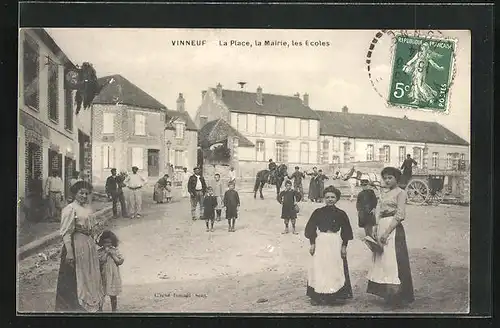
{"x":384,"y":268}
{"x":326,"y":272}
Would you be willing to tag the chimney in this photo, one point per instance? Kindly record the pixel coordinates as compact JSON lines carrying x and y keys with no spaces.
{"x":345,"y":109}
{"x":259,"y":96}
{"x":203,"y":121}
{"x":181,"y":103}
{"x":219,"y":91}
{"x":306,"y":99}
{"x":203,"y":93}
{"x":405,"y":117}
{"x":297,"y":95}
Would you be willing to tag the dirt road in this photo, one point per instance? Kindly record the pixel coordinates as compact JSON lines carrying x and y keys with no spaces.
{"x":173,"y":265}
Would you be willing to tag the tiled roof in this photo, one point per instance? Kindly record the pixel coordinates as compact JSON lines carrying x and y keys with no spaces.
{"x":218,"y":131}
{"x":123,"y":91}
{"x":172,"y":115}
{"x":385,"y":128}
{"x":278,"y":105}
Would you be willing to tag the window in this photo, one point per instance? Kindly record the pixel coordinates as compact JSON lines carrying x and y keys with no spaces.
{"x":387,"y":154}
{"x":108,"y":157}
{"x":304,"y":128}
{"x":449,"y":161}
{"x":462,"y":157}
{"x":417,"y":155}
{"x":179,"y":159}
{"x":280,"y":125}
{"x":180,"y":128}
{"x":108,"y":123}
{"x":326,"y":152}
{"x":435,"y":160}
{"x":347,"y":147}
{"x":53,"y":90}
{"x":261,"y":124}
{"x":304,"y":153}
{"x":336,"y":159}
{"x":336,"y":144}
{"x":138,"y":157}
{"x":242,"y":122}
{"x":260,"y":150}
{"x":455,"y":161}
{"x":402,"y":154}
{"x":31,"y":69}
{"x":370,"y":153}
{"x":68,"y":110}
{"x":280,"y":151}
{"x":140,"y":125}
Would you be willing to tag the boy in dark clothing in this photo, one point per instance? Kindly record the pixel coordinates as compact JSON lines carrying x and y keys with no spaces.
{"x":209,"y":205}
{"x":288,"y":198}
{"x":232,"y":204}
{"x":366,"y":204}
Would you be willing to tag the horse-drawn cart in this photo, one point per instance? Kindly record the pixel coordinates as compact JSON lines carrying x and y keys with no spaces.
{"x":429,"y":189}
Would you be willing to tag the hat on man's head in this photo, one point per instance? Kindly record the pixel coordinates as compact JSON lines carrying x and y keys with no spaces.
{"x":135,"y":168}
{"x":113,"y":169}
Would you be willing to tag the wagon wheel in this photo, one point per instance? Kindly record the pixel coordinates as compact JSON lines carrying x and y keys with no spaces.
{"x":437,"y":197}
{"x":417,"y":191}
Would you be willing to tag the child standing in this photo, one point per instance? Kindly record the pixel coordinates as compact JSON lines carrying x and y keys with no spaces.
{"x":209,"y":205}
{"x":365,"y":204}
{"x":168,"y":191}
{"x":218,"y":193}
{"x":232,"y":204}
{"x":110,"y":259}
{"x":288,"y":198}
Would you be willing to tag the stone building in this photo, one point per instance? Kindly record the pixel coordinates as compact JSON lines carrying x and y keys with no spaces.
{"x":131,"y":128}
{"x":50,"y":135}
{"x":265,"y":126}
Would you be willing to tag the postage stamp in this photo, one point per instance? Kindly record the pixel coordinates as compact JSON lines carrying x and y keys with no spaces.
{"x":422,"y":73}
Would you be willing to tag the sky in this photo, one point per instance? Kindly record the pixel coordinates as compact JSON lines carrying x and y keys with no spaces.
{"x":334,"y":75}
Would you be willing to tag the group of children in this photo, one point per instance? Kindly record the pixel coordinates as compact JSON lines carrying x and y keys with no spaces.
{"x":216,"y":199}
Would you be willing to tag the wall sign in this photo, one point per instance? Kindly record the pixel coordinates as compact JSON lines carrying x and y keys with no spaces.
{"x":31,"y":123}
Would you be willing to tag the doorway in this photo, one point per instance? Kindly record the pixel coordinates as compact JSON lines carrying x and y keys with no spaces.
{"x":153,"y":162}
{"x":69,"y":169}
{"x":34,"y":168}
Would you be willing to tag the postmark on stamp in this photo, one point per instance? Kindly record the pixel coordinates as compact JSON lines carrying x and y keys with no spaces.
{"x":422,"y":73}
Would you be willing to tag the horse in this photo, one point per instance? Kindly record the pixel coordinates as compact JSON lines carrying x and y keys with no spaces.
{"x":263,"y":177}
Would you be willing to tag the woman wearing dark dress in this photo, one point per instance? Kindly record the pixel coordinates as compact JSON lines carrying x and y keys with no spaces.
{"x":313,"y":193}
{"x":288,"y":198}
{"x":79,"y":285}
{"x":321,"y":184}
{"x":329,"y":232}
{"x":390,"y":274}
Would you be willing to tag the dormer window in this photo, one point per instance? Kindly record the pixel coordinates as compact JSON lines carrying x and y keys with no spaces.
{"x":180,"y":128}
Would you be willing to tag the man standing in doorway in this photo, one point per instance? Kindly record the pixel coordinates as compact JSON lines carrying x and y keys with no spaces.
{"x":407,"y":168}
{"x":232,"y":176}
{"x":135,"y":182}
{"x":185,"y":180}
{"x":197,"y":188}
{"x":54,"y":192}
{"x":114,"y":186}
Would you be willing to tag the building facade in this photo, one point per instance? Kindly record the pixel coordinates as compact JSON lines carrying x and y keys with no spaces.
{"x":51,"y":137}
{"x":180,"y":139}
{"x":347,"y":137}
{"x":282,"y":128}
{"x":131,"y":128}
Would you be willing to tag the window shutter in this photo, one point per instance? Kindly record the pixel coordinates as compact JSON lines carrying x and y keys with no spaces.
{"x":129,"y":159}
{"x":112,"y":159}
{"x":285,"y":152}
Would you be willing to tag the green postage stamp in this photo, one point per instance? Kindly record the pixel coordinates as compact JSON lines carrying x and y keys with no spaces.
{"x":422,"y":73}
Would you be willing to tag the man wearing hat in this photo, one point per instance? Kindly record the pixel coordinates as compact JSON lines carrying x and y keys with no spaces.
{"x":272,"y":168}
{"x":196,"y":188}
{"x":135,"y":182}
{"x":114,"y":190}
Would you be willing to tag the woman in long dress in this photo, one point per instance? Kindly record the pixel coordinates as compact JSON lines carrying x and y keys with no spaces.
{"x":417,"y":68}
{"x":329,"y":232}
{"x":79,"y":286}
{"x":390,"y":274}
{"x":313,"y":193}
{"x":159,"y":193}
